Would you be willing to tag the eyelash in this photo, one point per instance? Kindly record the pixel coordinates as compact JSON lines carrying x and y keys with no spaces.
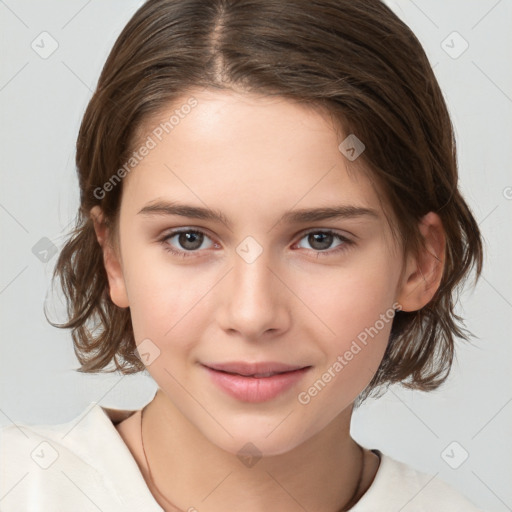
{"x":187,"y":254}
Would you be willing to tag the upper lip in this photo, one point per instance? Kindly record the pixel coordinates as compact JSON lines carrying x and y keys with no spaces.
{"x":251,"y":369}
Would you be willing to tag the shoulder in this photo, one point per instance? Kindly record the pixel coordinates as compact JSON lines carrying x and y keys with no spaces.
{"x":81,"y":464}
{"x":398,"y":486}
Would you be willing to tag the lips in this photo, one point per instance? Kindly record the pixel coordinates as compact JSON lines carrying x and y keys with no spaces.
{"x":255,"y":382}
{"x":257,"y":370}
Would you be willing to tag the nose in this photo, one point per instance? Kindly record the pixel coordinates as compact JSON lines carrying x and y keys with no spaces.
{"x":255,"y":302}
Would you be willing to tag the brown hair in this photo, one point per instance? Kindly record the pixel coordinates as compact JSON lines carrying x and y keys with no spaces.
{"x":356,"y":59}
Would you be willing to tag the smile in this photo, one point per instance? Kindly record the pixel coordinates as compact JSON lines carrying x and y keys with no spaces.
{"x":257,"y":382}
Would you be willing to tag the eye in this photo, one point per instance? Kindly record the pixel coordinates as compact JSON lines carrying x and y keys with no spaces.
{"x":321,"y":241}
{"x":187,"y":241}
{"x":190,"y":241}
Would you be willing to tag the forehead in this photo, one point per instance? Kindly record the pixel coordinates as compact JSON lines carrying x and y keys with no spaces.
{"x":245,"y":154}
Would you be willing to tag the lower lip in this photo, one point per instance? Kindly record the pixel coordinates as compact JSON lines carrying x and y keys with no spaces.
{"x":255,"y":389}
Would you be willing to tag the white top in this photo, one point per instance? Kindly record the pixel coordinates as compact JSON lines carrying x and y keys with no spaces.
{"x":84,"y":465}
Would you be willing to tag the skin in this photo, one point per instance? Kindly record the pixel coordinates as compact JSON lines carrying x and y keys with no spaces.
{"x":254,"y":158}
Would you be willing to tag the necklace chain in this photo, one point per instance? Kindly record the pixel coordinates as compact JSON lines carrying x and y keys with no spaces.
{"x":345,"y":508}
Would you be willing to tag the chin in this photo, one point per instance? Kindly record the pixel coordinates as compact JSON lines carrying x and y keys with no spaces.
{"x":259,"y":438}
{"x":257,"y":447}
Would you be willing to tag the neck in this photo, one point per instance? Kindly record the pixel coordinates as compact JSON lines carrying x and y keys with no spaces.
{"x":190,"y":472}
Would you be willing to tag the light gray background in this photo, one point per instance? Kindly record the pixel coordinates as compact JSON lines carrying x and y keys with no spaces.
{"x":42,"y":101}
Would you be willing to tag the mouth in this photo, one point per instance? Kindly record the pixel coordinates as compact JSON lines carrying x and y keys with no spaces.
{"x":255,"y":370}
{"x":255,"y":382}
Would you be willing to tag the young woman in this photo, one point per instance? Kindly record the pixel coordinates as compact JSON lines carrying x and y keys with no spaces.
{"x":270,"y":225}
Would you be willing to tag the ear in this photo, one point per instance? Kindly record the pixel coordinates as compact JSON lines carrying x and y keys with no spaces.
{"x":423,"y":272}
{"x":111,"y":260}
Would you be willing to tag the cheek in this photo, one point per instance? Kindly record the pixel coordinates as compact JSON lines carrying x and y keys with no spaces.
{"x":164,"y":297}
{"x":355,"y":306}
{"x":352,"y":299}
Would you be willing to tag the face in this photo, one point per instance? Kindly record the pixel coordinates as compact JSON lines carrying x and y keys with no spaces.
{"x":309,"y":296}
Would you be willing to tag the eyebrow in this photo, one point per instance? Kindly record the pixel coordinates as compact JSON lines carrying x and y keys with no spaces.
{"x":296,"y":216}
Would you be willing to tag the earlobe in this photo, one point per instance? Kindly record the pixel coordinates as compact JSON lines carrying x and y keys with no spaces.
{"x":424,"y":271}
{"x":113,"y":267}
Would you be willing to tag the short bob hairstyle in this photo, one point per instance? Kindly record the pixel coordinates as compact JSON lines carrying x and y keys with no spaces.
{"x":352,"y":58}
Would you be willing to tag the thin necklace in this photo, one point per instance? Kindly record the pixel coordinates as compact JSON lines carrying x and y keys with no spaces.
{"x":345,"y":508}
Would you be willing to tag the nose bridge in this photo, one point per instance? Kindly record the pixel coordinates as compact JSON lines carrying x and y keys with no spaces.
{"x":254,"y":304}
